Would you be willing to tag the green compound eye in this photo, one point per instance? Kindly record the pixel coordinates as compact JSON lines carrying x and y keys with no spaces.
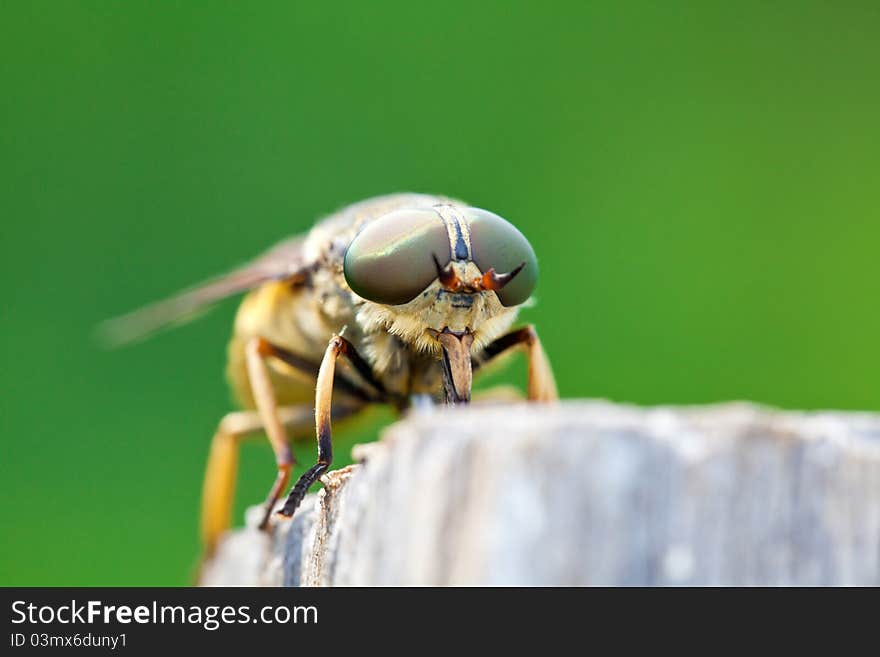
{"x":497,"y":244}
{"x":391,"y":260}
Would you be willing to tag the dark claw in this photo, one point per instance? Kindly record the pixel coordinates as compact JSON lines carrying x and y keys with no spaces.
{"x":301,"y":488}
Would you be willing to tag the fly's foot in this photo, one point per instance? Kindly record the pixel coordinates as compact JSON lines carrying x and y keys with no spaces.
{"x":267,"y":514}
{"x":300,"y":488}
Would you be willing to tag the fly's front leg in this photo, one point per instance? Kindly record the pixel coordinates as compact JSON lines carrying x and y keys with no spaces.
{"x":542,"y":384}
{"x":337,"y":347}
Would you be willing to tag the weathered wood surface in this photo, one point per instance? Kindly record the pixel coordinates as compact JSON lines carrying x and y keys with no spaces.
{"x":587,"y":493}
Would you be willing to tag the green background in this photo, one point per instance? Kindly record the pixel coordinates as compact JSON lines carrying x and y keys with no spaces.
{"x":700,"y":183}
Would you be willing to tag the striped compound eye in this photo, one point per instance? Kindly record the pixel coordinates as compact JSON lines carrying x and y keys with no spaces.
{"x":391,"y":261}
{"x":497,"y":244}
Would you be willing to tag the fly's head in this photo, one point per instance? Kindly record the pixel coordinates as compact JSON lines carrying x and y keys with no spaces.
{"x":445,"y":280}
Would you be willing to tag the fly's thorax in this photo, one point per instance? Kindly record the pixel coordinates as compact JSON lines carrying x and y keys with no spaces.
{"x":329,"y":238}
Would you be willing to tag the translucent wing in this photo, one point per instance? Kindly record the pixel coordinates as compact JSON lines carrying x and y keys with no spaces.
{"x":284,"y":260}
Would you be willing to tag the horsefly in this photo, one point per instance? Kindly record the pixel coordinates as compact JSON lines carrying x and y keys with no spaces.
{"x":395,"y":300}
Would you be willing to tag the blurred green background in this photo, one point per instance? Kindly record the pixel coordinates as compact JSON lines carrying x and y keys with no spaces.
{"x":700,"y":183}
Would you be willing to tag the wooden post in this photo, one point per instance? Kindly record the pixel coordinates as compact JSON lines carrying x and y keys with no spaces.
{"x":587,"y":493}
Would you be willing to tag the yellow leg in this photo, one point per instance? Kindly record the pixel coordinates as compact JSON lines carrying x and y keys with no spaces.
{"x":256,"y":351}
{"x":542,"y":384}
{"x":338,"y":347}
{"x":218,"y":489}
{"x":219,"y":486}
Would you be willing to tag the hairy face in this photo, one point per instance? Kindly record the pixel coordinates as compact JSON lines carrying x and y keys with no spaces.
{"x":436,"y":309}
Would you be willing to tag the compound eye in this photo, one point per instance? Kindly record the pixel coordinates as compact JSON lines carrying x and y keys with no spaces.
{"x":391,"y":261}
{"x":497,"y":244}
